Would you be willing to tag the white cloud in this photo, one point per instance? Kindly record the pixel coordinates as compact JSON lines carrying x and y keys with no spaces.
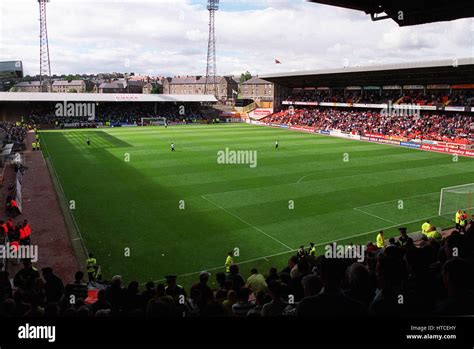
{"x":164,"y":37}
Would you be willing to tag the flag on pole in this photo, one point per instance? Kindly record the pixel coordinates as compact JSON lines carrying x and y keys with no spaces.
{"x":277,"y":61}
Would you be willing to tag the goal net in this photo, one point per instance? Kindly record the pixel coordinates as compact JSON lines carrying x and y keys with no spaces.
{"x":456,"y":198}
{"x":155,"y":121}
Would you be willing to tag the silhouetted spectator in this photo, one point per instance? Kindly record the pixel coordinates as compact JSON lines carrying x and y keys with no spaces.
{"x":54,"y":287}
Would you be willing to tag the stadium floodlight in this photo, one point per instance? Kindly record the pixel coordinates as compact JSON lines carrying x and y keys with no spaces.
{"x":45,"y":64}
{"x":213,"y":5}
{"x":211,"y":78}
{"x":456,"y":198}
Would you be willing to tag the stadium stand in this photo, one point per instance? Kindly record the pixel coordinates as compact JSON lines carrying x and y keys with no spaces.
{"x":123,"y":113}
{"x":454,"y":128}
{"x":435,"y":278}
{"x":459,"y":98}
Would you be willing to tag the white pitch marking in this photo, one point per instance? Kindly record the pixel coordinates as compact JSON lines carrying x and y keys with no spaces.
{"x":286,"y":252}
{"x":408,"y":197}
{"x":374,"y":215}
{"x":249,"y":224}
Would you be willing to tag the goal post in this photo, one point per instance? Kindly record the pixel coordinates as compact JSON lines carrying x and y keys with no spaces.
{"x":452,"y":199}
{"x":154,"y":121}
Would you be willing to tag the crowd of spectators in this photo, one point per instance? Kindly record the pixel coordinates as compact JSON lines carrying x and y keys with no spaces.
{"x":448,"y":127}
{"x":13,"y":133}
{"x":121,"y":113}
{"x":431,"y":277}
{"x":420,"y":97}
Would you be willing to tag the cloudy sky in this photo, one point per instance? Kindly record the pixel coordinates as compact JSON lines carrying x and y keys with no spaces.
{"x":169,"y":37}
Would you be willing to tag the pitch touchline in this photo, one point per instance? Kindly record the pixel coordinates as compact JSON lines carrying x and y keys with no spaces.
{"x":64,"y":196}
{"x":286,"y":252}
{"x":249,"y":224}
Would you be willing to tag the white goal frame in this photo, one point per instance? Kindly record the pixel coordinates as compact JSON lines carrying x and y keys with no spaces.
{"x":160,"y":119}
{"x":469,"y":195}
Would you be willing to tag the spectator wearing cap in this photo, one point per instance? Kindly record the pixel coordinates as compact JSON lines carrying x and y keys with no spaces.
{"x":172,"y":289}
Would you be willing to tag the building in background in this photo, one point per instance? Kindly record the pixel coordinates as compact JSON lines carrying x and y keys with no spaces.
{"x":257,"y":89}
{"x":30,"y":86}
{"x":66,"y":86}
{"x":122,"y":86}
{"x":227,"y":86}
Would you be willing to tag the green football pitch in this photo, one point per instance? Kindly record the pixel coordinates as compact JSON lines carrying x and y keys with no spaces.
{"x":146,"y":212}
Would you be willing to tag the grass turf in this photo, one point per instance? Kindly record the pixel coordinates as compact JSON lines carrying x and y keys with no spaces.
{"x":135,"y":205}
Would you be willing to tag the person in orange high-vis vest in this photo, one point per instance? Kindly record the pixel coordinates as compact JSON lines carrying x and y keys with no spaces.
{"x":14,"y":208}
{"x":10,"y":223}
{"x":26,"y":230}
{"x":3,"y":228}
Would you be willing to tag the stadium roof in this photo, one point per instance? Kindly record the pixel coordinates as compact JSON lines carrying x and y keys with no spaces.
{"x":255,"y":80}
{"x":100,"y":97}
{"x":408,"y":12}
{"x":448,"y":71}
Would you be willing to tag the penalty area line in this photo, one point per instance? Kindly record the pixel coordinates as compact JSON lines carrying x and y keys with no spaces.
{"x":249,"y":224}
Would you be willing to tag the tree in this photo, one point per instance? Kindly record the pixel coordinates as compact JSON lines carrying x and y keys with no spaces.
{"x":71,"y":77}
{"x":155,"y":90}
{"x":245,"y":76}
